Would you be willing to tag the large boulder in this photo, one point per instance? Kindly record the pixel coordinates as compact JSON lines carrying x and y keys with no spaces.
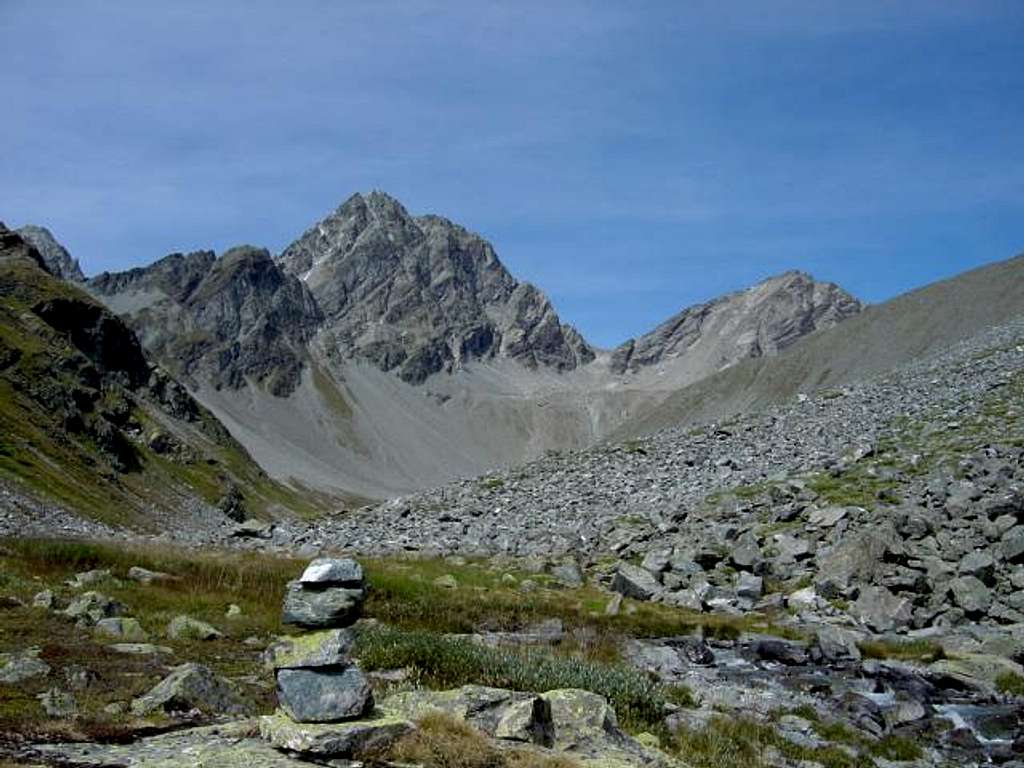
{"x":835,"y":645}
{"x":324,"y":694}
{"x":190,"y":687}
{"x":582,"y":721}
{"x":482,"y":707}
{"x":636,"y":582}
{"x":881,"y":610}
{"x":353,"y":739}
{"x":971,"y":594}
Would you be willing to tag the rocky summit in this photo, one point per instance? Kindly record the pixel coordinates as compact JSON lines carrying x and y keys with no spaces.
{"x":781,"y":529}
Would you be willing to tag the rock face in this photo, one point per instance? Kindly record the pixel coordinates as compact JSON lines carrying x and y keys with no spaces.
{"x":55,"y":256}
{"x":422,"y":295}
{"x":760,"y":321}
{"x":222,"y":321}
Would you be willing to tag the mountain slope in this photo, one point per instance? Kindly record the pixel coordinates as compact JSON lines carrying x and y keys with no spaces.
{"x":879,"y":339}
{"x":88,"y":422}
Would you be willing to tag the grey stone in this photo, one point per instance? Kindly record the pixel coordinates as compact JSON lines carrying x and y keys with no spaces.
{"x":327,"y":648}
{"x":333,"y":572}
{"x":1011,"y":548}
{"x":633,"y":581}
{"x":354,"y":739}
{"x":567,"y":574}
{"x":881,"y":610}
{"x":187,"y":628}
{"x":836,"y":645}
{"x":827,"y":517}
{"x":979,"y":563}
{"x":122,"y":628}
{"x":90,"y":607}
{"x":146,"y":576}
{"x":323,"y":608}
{"x":971,"y":594}
{"x":324,"y":694}
{"x":187,"y":687}
{"x":749,"y":586}
{"x":657,"y":560}
{"x":17,"y":667}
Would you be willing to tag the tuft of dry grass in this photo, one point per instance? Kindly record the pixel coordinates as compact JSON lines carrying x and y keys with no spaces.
{"x":441,"y":741}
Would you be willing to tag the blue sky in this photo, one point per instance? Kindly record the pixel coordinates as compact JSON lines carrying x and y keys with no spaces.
{"x":629,"y":158}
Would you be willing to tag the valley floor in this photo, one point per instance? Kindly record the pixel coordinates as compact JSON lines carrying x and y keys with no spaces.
{"x":836,"y":581}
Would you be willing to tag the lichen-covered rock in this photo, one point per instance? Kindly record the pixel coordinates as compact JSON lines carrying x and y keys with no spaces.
{"x":326,"y":648}
{"x":16,"y":667}
{"x":324,"y":694}
{"x":187,"y":628}
{"x":190,"y":686}
{"x":482,"y":707}
{"x":349,"y":739}
{"x":90,"y":607}
{"x":581,"y":719}
{"x":321,"y":608}
{"x":230,"y":745}
{"x":126,"y":629}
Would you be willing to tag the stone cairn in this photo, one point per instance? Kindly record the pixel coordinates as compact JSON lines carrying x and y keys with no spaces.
{"x":316,"y":680}
{"x":326,"y":706}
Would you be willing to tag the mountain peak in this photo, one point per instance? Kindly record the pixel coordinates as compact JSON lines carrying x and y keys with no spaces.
{"x":761,"y":320}
{"x":56,"y":257}
{"x":422,"y":294}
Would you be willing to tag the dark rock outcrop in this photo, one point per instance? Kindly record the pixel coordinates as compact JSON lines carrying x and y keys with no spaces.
{"x":219,"y":320}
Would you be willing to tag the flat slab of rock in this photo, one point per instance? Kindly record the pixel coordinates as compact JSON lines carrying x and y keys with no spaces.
{"x":350,"y":739}
{"x":333,"y":572}
{"x":324,"y":695}
{"x":328,"y":648}
{"x":224,"y":746}
{"x":321,"y":608}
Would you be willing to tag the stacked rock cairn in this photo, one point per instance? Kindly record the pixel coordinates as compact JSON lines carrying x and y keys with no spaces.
{"x":317,"y":682}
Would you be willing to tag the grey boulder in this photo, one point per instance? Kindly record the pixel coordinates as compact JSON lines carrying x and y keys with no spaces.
{"x":324,"y":695}
{"x":321,"y":608}
{"x":190,"y":687}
